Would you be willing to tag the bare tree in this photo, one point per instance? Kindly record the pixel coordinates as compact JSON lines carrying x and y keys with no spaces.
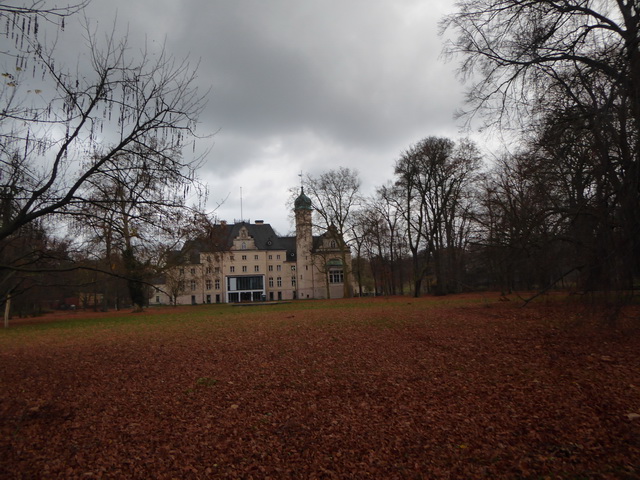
{"x":520,"y":48}
{"x":550,"y":65}
{"x":370,"y":238}
{"x":414,"y":211}
{"x":335,"y":195}
{"x":175,"y":281}
{"x":386,"y":203}
{"x":359,"y":233}
{"x":434,"y":176}
{"x":377,"y":231}
{"x":585,"y":199}
{"x":146,"y":102}
{"x":39,"y":9}
{"x":520,"y":225}
{"x":120,"y":115}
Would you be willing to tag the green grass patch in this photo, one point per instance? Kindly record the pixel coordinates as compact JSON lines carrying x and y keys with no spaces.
{"x":205,"y":319}
{"x":206,"y":382}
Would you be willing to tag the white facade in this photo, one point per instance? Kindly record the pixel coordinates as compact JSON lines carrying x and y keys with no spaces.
{"x":246,"y":262}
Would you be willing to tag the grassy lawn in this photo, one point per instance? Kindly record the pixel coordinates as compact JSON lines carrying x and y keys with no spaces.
{"x":455,"y":387}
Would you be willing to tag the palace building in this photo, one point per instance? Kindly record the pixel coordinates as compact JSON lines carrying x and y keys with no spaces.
{"x":248,"y":262}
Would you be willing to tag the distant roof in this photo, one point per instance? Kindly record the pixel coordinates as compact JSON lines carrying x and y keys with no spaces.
{"x":221,"y":238}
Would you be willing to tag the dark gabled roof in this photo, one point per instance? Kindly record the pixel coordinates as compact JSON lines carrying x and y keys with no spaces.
{"x":288,"y":244}
{"x":331,"y":234}
{"x":221,"y":238}
{"x":262,"y":233}
{"x":180,"y":257}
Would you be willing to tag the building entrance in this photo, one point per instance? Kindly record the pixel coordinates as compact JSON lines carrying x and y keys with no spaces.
{"x":245,"y":289}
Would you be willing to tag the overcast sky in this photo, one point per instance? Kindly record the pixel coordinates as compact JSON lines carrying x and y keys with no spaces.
{"x":302,"y":86}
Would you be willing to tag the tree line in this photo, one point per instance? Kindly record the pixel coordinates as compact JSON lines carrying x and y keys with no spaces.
{"x":564,"y":76}
{"x":562,"y":80}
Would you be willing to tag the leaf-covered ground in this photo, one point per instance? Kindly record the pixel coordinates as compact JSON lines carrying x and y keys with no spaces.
{"x":460,"y":387}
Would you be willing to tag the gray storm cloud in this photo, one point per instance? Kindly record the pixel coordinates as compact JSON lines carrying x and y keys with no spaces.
{"x":300,"y":86}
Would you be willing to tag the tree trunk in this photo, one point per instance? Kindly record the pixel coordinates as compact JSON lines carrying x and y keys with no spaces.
{"x":7,"y":310}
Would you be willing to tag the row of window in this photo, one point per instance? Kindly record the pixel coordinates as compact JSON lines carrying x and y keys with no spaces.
{"x":256,"y":268}
{"x":255,"y":257}
{"x":244,"y":257}
{"x":208,"y":270}
{"x":216,"y":284}
{"x":232,"y":269}
{"x":279,"y":282}
{"x":208,"y":285}
{"x":335,"y":276}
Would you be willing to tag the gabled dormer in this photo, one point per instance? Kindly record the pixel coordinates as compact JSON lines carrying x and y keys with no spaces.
{"x":330,"y":240}
{"x":244,"y":241}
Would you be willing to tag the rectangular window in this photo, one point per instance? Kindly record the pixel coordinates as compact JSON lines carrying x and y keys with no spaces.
{"x":279,"y":281}
{"x":256,"y":257}
{"x":244,"y":257}
{"x":193,"y":285}
{"x":277,"y":257}
{"x":279,"y":268}
{"x":293,"y":281}
{"x":256,"y":268}
{"x":270,"y":257}
{"x":232,"y":269}
{"x":244,"y":283}
{"x":244,"y":268}
{"x":336,"y":276}
{"x":293,"y":268}
{"x":208,"y":270}
{"x":217,"y":284}
{"x":271,"y":281}
{"x":193,"y":271}
{"x":208,"y":284}
{"x":271,"y":268}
